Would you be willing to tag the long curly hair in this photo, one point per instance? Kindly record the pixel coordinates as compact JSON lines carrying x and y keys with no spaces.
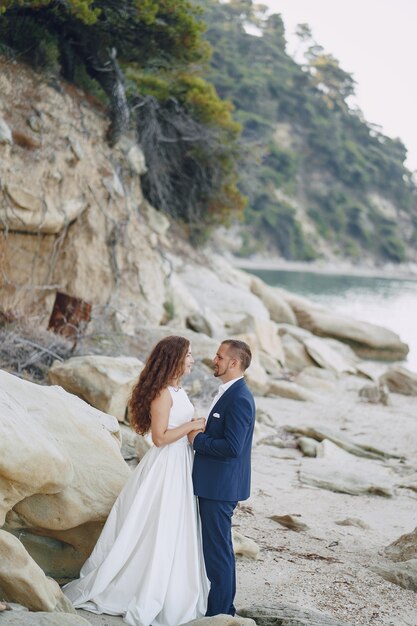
{"x":165,"y":364}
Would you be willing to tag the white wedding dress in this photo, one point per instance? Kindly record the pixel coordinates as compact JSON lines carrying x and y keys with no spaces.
{"x":148,"y":562}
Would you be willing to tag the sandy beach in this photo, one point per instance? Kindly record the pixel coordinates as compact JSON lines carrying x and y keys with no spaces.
{"x":327,"y":567}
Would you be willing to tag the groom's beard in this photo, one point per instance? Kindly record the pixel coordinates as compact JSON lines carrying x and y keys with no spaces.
{"x":217,"y":372}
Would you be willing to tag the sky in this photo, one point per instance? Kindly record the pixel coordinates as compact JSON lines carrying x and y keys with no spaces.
{"x":375,"y":41}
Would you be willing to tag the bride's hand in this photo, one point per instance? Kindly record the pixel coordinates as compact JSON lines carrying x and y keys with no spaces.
{"x":198,"y":424}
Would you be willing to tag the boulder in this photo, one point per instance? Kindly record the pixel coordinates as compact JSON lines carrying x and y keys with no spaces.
{"x":134,"y":446}
{"x":60,"y":472}
{"x":375,"y":394}
{"x":179,"y":303}
{"x":294,"y":331}
{"x":323,"y":432}
{"x":403,"y":548}
{"x":279,"y":310}
{"x":262,"y":432}
{"x":287,"y":389}
{"x":268,"y":342}
{"x":105,"y":382}
{"x":344,"y":350}
{"x":337,"y":470}
{"x":199,"y":324}
{"x":203,"y":347}
{"x":142,"y":445}
{"x":243,"y":546}
{"x":308,"y":446}
{"x":401,"y":574}
{"x":23,"y":581}
{"x":367,"y":340}
{"x":327,"y":357}
{"x":280,"y":614}
{"x":270,"y":364}
{"x":29,"y":618}
{"x":310,"y":379}
{"x":230,"y":302}
{"x":296,"y":355}
{"x":400,"y":380}
{"x":371,"y":369}
{"x":255,"y":375}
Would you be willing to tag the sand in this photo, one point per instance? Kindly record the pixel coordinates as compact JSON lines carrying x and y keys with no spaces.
{"x":327,"y":567}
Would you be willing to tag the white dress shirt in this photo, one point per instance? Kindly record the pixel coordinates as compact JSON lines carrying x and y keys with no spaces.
{"x":222,"y":388}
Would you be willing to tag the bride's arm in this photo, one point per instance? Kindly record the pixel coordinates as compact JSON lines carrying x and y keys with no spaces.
{"x":160,"y":408}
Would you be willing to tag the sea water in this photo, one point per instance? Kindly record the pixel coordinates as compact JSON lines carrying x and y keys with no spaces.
{"x":388,"y":302}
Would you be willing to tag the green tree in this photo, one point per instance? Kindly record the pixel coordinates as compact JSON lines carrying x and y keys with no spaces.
{"x":146,"y":56}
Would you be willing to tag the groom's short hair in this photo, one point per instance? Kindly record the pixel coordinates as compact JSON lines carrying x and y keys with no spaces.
{"x":239,"y":350}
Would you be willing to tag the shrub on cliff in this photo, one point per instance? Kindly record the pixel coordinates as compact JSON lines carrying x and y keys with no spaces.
{"x":155,"y":48}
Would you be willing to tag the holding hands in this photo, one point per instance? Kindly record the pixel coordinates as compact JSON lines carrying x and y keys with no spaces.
{"x":197,"y":425}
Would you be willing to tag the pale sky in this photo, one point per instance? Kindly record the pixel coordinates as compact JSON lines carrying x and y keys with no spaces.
{"x":376,"y":41}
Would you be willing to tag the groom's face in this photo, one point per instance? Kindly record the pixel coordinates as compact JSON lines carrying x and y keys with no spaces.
{"x":223,"y":364}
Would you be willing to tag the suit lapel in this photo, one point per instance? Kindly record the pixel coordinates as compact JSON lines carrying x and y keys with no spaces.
{"x":224,"y":396}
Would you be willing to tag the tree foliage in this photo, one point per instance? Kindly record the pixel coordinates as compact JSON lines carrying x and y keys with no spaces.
{"x":146,"y":56}
{"x":331,"y":156}
{"x":213,"y":127}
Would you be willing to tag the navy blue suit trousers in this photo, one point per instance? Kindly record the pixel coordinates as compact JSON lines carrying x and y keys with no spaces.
{"x":221,"y":477}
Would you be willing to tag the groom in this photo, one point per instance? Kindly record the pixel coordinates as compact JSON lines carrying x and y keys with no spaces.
{"x":221,"y":472}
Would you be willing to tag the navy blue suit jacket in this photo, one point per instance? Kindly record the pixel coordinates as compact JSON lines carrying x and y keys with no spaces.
{"x":222,"y":459}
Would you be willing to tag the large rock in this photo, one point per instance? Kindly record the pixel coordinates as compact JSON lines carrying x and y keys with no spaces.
{"x":243,"y":546}
{"x":230,"y":302}
{"x":105,"y":382}
{"x":402,"y":574}
{"x":281,"y":614}
{"x":337,"y":470}
{"x":400,"y":380}
{"x":23,"y":581}
{"x":320,"y":433}
{"x":28,"y":618}
{"x":367,"y":340}
{"x":403,"y":548}
{"x":266,"y":333}
{"x":288,"y":389}
{"x":255,"y":375}
{"x":279,"y":309}
{"x":327,"y":357}
{"x":60,"y":472}
{"x":296,"y":355}
{"x":311,"y":378}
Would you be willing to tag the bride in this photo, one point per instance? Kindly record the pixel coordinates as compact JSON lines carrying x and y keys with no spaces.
{"x":148,"y":563}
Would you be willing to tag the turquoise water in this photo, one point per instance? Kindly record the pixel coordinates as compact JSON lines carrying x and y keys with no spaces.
{"x":384,"y":301}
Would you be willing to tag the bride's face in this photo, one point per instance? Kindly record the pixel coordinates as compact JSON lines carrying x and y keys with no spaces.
{"x":188,"y":362}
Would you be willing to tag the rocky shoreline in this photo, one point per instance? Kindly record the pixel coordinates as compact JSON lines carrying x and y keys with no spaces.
{"x":335,"y":476}
{"x":335,"y":470}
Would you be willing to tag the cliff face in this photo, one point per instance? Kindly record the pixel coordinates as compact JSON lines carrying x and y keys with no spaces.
{"x":72,"y":215}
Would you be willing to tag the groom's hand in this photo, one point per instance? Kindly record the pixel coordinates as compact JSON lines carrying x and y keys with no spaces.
{"x":193,"y":434}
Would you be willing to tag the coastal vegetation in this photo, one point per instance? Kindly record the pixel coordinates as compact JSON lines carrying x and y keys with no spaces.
{"x":314,"y":159}
{"x":232,"y":127}
{"x":145,"y":61}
